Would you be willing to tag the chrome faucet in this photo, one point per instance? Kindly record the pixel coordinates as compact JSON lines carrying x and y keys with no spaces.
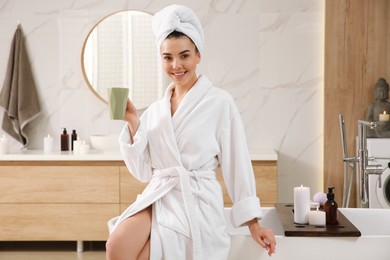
{"x":364,"y":168}
{"x":362,"y":159}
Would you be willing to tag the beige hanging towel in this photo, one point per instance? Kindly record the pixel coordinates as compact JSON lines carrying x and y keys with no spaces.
{"x":19,"y":96}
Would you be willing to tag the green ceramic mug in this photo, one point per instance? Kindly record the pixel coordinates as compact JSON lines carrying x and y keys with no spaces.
{"x":117,"y":100}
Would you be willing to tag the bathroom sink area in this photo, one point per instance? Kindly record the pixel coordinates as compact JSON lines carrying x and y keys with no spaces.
{"x":104,"y":142}
{"x":374,"y":225}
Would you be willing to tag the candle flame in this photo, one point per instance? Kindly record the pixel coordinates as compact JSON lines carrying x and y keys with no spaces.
{"x":384,"y":112}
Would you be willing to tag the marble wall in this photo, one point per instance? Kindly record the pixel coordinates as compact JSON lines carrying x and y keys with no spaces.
{"x":267,"y":53}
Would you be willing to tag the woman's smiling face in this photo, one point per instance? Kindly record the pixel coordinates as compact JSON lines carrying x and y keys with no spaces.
{"x":179,"y":60}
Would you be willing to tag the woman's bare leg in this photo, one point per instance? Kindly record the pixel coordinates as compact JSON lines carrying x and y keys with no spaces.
{"x":131,"y":237}
{"x":145,"y":253}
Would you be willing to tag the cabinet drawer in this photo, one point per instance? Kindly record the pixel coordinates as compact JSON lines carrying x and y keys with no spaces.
{"x":130,"y":187}
{"x":265,"y":173}
{"x":65,"y":184}
{"x":55,"y":221}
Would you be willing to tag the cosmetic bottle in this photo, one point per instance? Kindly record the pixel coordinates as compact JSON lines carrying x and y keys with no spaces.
{"x":331,"y":208}
{"x":73,"y":138}
{"x":64,"y":141}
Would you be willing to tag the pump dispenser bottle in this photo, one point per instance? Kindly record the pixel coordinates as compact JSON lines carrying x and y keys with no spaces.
{"x":64,"y":141}
{"x":74,"y":138}
{"x":331,"y":208}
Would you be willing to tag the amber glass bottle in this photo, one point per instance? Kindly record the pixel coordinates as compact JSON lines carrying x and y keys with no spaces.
{"x":64,"y":141}
{"x":331,"y":208}
{"x":73,"y":138}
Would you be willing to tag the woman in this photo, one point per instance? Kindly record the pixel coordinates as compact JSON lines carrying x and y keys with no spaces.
{"x":176,"y":146}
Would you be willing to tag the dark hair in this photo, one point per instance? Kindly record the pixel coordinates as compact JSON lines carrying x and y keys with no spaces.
{"x":176,"y":35}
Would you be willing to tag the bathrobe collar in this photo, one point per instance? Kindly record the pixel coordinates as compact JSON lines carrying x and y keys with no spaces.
{"x":170,"y":123}
{"x":192,"y":98}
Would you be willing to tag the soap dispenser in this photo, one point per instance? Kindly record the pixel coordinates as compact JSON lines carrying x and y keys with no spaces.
{"x":64,"y":141}
{"x":73,"y":138}
{"x":331,"y":208}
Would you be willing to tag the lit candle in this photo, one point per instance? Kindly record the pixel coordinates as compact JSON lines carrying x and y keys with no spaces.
{"x":317,"y":218}
{"x":48,"y":144}
{"x":84,"y":148}
{"x":301,"y":205}
{"x":384,"y":116}
{"x":76,"y":145}
{"x":4,"y":145}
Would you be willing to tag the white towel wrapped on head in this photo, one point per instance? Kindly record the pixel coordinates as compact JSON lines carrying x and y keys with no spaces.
{"x":178,"y":18}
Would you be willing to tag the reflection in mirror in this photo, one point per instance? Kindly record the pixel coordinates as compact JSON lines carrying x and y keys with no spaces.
{"x":120,"y":51}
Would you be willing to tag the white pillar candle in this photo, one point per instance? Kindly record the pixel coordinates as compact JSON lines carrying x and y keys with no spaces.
{"x":317,"y":218}
{"x":76,"y":145}
{"x":301,"y":204}
{"x":48,"y":144}
{"x":384,"y":116}
{"x":4,"y":145}
{"x":84,"y":148}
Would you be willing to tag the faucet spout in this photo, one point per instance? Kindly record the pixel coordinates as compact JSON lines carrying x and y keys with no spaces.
{"x":370,"y":124}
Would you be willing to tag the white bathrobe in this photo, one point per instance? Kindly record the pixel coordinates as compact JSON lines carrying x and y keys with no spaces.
{"x":178,"y":156}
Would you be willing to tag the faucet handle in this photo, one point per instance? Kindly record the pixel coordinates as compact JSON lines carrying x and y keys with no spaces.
{"x":377,"y":170}
{"x":374,"y":169}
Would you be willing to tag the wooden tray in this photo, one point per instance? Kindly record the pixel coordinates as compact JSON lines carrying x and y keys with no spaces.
{"x":344,"y":228}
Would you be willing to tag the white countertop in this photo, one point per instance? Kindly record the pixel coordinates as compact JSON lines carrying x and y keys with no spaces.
{"x":39,"y":155}
{"x":95,"y":155}
{"x":264,"y":154}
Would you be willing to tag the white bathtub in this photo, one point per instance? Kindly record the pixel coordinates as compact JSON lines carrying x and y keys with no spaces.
{"x":374,"y":225}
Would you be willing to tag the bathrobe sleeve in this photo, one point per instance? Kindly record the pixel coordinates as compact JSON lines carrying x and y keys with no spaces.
{"x":136,"y":155}
{"x":237,"y":170}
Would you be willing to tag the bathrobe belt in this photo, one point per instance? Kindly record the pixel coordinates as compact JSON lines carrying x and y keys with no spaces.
{"x":187,"y":193}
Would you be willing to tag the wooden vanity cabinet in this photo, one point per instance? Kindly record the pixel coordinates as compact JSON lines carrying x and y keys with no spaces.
{"x":266,"y":177}
{"x":57,"y":200}
{"x":73,"y":200}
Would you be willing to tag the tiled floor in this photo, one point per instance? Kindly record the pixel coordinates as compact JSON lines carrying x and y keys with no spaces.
{"x":51,"y":251}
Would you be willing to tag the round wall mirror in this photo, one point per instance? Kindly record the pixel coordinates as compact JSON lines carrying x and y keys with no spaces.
{"x":120,"y":51}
